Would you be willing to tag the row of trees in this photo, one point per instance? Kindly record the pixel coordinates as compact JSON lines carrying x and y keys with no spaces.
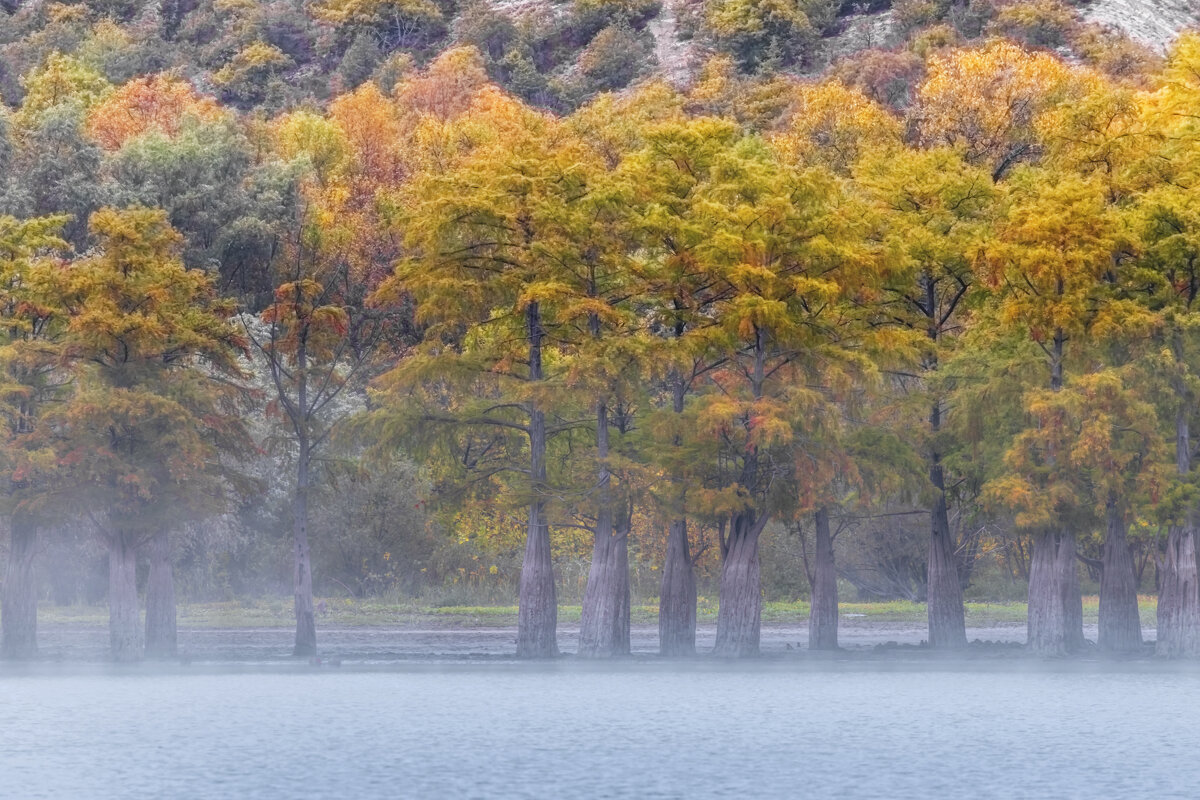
{"x":743,"y":328}
{"x":758,"y":303}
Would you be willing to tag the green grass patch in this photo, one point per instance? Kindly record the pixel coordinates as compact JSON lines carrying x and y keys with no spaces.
{"x":349,"y":612}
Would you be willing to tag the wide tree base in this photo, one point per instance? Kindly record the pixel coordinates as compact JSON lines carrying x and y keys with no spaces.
{"x":1055,"y":611}
{"x":677,"y":597}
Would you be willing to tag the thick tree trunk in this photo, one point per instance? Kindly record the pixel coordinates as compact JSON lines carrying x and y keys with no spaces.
{"x":124,"y":630}
{"x":1178,"y":582}
{"x":604,"y":624}
{"x":537,"y":613}
{"x":944,"y":601}
{"x":1055,"y":622}
{"x":677,"y":596}
{"x":1120,"y":625}
{"x":1179,"y":595}
{"x":740,"y":613}
{"x":161,"y":632}
{"x":1055,"y":616}
{"x":823,"y":609}
{"x":18,"y":602}
{"x":604,"y":627}
{"x":1046,"y":625}
{"x":739,"y":616}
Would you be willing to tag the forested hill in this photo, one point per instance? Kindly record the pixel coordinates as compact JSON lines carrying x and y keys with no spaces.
{"x":283,"y":53}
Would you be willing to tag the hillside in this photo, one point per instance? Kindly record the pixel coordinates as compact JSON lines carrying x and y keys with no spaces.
{"x":1152,"y":22}
{"x":278,"y":54}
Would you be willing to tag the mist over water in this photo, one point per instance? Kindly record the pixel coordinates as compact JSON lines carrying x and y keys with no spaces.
{"x":568,"y":730}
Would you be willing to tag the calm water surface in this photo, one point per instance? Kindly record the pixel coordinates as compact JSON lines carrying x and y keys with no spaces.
{"x":640,"y":730}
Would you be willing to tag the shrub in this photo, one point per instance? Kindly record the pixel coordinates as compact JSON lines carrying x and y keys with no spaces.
{"x":588,"y":17}
{"x":932,"y":39}
{"x":889,"y":78}
{"x":913,"y":14}
{"x":1111,"y":51}
{"x":757,"y":32}
{"x":616,"y":56}
{"x":1038,"y":23}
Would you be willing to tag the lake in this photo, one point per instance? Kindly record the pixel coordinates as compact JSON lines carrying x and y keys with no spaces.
{"x":637,"y":729}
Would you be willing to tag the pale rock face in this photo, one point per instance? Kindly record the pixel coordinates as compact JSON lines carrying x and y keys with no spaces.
{"x":1154,"y":23}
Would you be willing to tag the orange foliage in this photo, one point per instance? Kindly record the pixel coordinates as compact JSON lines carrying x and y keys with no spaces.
{"x":150,"y":103}
{"x":448,"y":87}
{"x":373,"y":128}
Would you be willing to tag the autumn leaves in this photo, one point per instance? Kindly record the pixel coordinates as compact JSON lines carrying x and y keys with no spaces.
{"x":755,"y":303}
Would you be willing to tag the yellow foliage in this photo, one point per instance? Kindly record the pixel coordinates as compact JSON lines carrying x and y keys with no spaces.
{"x":60,"y":79}
{"x":984,"y":100}
{"x":322,"y":141}
{"x":832,"y":125}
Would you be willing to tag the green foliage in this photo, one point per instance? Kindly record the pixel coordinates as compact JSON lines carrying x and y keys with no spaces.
{"x":395,"y":23}
{"x":586,"y":18}
{"x":615,"y":58}
{"x":252,"y":74}
{"x":761,"y":33}
{"x":360,"y":61}
{"x":60,"y":80}
{"x":60,"y":171}
{"x":198,"y":177}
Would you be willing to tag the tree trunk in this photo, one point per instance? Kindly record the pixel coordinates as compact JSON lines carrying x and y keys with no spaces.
{"x":18,"y":602}
{"x":1178,"y":584}
{"x":161,"y":632}
{"x":1072,"y":594}
{"x":620,"y":568}
{"x":306,"y":623}
{"x":1055,"y":617}
{"x":677,"y":592}
{"x":944,"y":601}
{"x":943,"y":593}
{"x":740,"y":614}
{"x":124,"y":630}
{"x":1046,"y":626}
{"x":604,"y":625}
{"x":302,"y":586}
{"x":677,"y":596}
{"x":1179,"y":595}
{"x":823,"y":609}
{"x":1120,"y":625}
{"x":537,"y":613}
{"x":604,"y":629}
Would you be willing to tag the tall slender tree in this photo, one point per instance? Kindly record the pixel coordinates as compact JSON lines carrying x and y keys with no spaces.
{"x":932,"y":208}
{"x":1048,"y":264}
{"x":501,"y":249}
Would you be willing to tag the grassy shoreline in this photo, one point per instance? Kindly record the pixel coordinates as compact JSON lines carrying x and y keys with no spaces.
{"x":342,"y":612}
